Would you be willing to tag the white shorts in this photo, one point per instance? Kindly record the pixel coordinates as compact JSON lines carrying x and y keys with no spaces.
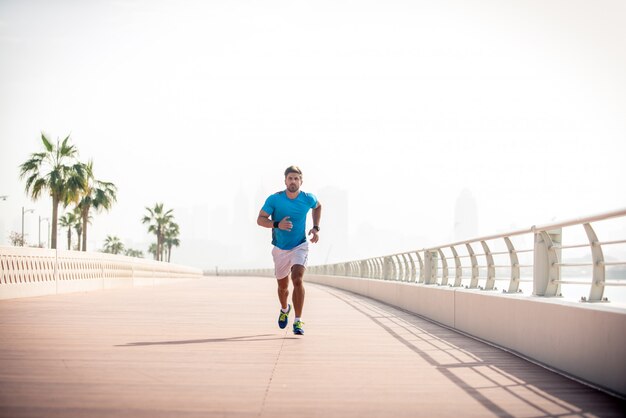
{"x":285,"y":259}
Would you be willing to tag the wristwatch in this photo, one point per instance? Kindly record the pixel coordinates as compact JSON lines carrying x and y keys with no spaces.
{"x":317,"y":228}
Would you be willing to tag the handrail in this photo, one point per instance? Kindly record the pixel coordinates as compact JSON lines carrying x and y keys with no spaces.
{"x":38,"y":271}
{"x":434,"y":269}
{"x":588,"y":219}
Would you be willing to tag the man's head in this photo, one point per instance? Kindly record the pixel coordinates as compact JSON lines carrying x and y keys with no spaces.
{"x":293,"y":178}
{"x":293,"y":169}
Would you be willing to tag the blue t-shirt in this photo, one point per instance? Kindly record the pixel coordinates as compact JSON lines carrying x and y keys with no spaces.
{"x":280,"y":205}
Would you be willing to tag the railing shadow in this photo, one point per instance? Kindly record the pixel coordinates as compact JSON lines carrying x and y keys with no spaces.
{"x":487,"y":374}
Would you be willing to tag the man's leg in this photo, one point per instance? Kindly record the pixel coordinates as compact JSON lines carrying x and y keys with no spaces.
{"x":297,"y":273}
{"x":283,"y":291}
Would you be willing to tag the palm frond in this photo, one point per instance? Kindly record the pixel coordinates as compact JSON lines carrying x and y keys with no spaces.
{"x":46,"y":143}
{"x":39,"y":185}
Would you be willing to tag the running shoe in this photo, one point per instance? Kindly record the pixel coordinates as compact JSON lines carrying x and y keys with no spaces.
{"x":297,"y":328}
{"x":283,"y":318}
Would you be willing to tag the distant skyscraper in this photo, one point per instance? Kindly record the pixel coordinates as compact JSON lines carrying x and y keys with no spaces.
{"x":465,"y":216}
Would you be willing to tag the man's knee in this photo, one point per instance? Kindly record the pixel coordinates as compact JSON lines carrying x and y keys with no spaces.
{"x":297,"y":272}
{"x":283,"y":284}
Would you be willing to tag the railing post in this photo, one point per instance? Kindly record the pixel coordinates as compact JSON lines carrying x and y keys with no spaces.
{"x":515,"y":270}
{"x":444,"y":268}
{"x":406,"y":273}
{"x":420,"y":279}
{"x":430,"y":266}
{"x":396,"y":267}
{"x":491,"y":270}
{"x":458,"y":268}
{"x":474,"y":279}
{"x":546,"y":271}
{"x":386,"y":268}
{"x":597,"y":280}
{"x":412,"y":272}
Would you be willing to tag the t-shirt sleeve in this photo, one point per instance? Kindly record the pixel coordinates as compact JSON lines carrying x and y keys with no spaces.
{"x":268,"y":206}
{"x":313,"y":201}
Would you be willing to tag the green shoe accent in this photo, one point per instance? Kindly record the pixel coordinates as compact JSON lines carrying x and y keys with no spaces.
{"x":297,"y":328}
{"x":283,"y":317}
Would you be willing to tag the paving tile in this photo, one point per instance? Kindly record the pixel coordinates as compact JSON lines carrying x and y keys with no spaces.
{"x":211,"y":348}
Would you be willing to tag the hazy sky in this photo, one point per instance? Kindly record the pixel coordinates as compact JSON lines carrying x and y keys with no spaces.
{"x":391,"y":108}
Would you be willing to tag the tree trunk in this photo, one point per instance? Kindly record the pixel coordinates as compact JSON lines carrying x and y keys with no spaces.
{"x":162,"y":247}
{"x":69,"y":237}
{"x":169,"y":253}
{"x":159,"y":255}
{"x":55,"y":214}
{"x":85,"y":213}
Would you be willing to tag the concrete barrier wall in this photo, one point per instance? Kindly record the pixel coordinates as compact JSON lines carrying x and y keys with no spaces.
{"x":27,"y":272}
{"x":585,"y":341}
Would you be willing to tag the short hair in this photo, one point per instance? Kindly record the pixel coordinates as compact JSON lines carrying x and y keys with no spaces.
{"x":293,"y":169}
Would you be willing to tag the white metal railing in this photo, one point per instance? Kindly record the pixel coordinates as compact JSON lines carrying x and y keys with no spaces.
{"x":23,"y":266}
{"x":534,"y":257}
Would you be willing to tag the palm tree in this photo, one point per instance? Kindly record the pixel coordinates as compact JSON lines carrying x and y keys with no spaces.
{"x":133,"y":253}
{"x":113,"y":245}
{"x":170,"y":238}
{"x":98,"y":194}
{"x":69,"y":221}
{"x":57,"y":170}
{"x":153,"y":250}
{"x":79,"y":225}
{"x":157,"y":219}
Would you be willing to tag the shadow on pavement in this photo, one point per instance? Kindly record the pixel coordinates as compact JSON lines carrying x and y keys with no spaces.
{"x":484,"y":372}
{"x":263,"y":337}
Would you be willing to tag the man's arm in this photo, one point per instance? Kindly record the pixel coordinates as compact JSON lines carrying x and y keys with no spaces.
{"x":264,"y":220}
{"x":317,"y":215}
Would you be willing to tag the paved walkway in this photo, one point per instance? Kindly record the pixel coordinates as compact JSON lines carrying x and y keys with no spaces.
{"x":211,"y":348}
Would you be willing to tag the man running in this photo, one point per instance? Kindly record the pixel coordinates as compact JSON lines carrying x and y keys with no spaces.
{"x":288,"y":210}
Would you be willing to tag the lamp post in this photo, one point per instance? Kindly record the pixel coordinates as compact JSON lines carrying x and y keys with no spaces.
{"x":23,"y":212}
{"x":41,"y":220}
